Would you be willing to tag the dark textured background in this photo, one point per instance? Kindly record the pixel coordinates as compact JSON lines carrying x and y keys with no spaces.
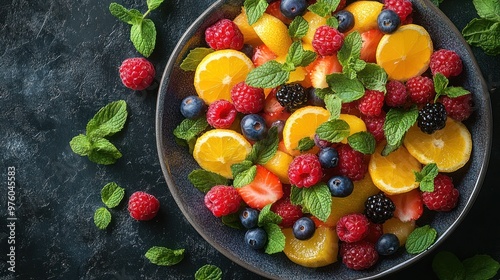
{"x":58,"y":66}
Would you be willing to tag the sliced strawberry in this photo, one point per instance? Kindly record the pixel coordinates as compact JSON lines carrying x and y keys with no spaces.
{"x":409,"y":205}
{"x":265,"y":188}
{"x":320,"y":68}
{"x":370,"y":38}
{"x":273,"y":111}
{"x":261,"y":55}
{"x":274,"y":10}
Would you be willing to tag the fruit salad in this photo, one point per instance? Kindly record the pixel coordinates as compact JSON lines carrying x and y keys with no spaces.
{"x":323,"y":130}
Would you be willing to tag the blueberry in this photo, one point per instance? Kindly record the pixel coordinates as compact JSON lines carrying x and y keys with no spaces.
{"x":320,"y":142}
{"x":304,"y":228}
{"x":247,"y":50}
{"x":387,"y":244}
{"x":328,"y":157}
{"x":345,"y":19}
{"x":253,"y":127}
{"x":193,"y":107}
{"x":256,"y":238}
{"x":293,"y":8}
{"x":340,"y":186}
{"x":388,"y":21}
{"x":249,"y":217}
{"x":313,"y":98}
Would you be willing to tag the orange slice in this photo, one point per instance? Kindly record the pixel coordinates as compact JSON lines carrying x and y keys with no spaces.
{"x":399,"y":228}
{"x":356,"y":124}
{"x":450,"y":148}
{"x":218,"y":72}
{"x":314,"y":21}
{"x":217,"y":149}
{"x":405,"y":53}
{"x":365,"y":14}
{"x":249,"y":35}
{"x":273,"y":33}
{"x":279,"y":164}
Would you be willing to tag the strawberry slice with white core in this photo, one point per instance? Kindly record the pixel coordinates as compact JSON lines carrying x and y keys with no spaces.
{"x":409,"y":205}
{"x":265,"y":189}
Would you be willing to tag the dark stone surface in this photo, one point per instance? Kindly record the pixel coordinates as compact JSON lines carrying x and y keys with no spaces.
{"x":58,"y":66}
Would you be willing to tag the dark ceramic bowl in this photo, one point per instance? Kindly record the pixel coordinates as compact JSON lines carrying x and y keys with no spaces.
{"x":177,"y":163}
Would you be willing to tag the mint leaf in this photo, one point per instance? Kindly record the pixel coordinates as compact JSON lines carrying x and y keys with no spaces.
{"x":266,"y":216}
{"x":437,"y":2}
{"x":80,"y":145}
{"x":112,"y":194}
{"x":204,"y":180}
{"x":188,"y":129}
{"x":324,"y":8}
{"x":237,"y":168}
{"x":447,"y":266}
{"x":453,"y":92}
{"x":194,"y":57}
{"x":297,"y":56}
{"x":483,"y":33}
{"x":208,"y":272}
{"x":318,"y":201}
{"x":254,"y":9}
{"x":109,"y":120}
{"x":397,"y":122}
{"x":275,"y":239}
{"x":426,"y":177}
{"x":103,"y":152}
{"x":232,"y":220}
{"x":363,"y":142}
{"x":488,"y":9}
{"x":128,"y":16}
{"x":245,"y":177}
{"x":440,"y":83}
{"x":305,"y":144}
{"x":265,"y":149}
{"x":333,"y":130}
{"x":351,"y":49}
{"x":296,"y":197}
{"x":334,"y":105}
{"x":164,"y":256}
{"x":480,"y":267}
{"x":153,"y":4}
{"x":373,"y":77}
{"x":298,"y":27}
{"x":268,"y":75}
{"x":346,"y":89}
{"x":143,"y":36}
{"x":102,"y":218}
{"x":420,"y":239}
{"x":332,"y":22}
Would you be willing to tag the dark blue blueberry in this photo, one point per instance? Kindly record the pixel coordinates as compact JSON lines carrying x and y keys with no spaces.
{"x":256,"y":238}
{"x":320,"y":142}
{"x":193,"y":107}
{"x":247,"y":50}
{"x":304,"y":228}
{"x":293,"y":8}
{"x":387,"y":244}
{"x":313,"y":99}
{"x":253,"y":127}
{"x":280,"y":124}
{"x":340,"y":186}
{"x":388,"y":21}
{"x":328,"y":157}
{"x":345,"y":19}
{"x":249,"y":217}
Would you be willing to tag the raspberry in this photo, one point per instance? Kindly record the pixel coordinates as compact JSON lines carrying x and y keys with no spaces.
{"x":137,"y":73}
{"x":351,"y":163}
{"x":224,"y":34}
{"x":396,"y":95}
{"x":375,"y":125}
{"x":247,"y":99}
{"x":360,"y":255}
{"x":445,"y":195}
{"x":374,"y":233}
{"x":221,"y":114}
{"x":402,"y":7}
{"x":292,"y":96}
{"x":420,"y":89}
{"x":351,"y":108}
{"x":143,"y":206}
{"x":432,"y":117}
{"x":222,"y":200}
{"x":288,"y":212}
{"x":305,"y":171}
{"x":327,"y":40}
{"x":459,"y":108}
{"x":446,"y":62}
{"x":352,"y":227}
{"x":371,"y":103}
{"x":379,"y":208}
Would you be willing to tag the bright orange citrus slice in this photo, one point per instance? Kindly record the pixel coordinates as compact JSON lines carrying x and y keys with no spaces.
{"x":249,"y":35}
{"x":216,"y":150}
{"x":218,"y":72}
{"x":314,"y":21}
{"x":273,"y":33}
{"x":450,"y":148}
{"x":405,"y":53}
{"x":355,"y":123}
{"x":279,"y":164}
{"x":365,"y":14}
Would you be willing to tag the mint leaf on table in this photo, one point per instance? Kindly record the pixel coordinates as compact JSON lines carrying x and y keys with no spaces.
{"x":447,"y":266}
{"x":324,"y":8}
{"x":164,"y":256}
{"x":254,"y":9}
{"x":153,"y":4}
{"x":426,"y":177}
{"x":194,"y":57}
{"x":488,"y":9}
{"x":208,"y":272}
{"x":363,"y":142}
{"x":112,"y":194}
{"x":104,"y":152}
{"x":437,"y":2}
{"x":481,"y":267}
{"x":275,"y":239}
{"x":298,"y":27}
{"x":397,"y":123}
{"x":204,"y":180}
{"x":81,"y":145}
{"x":484,"y":32}
{"x":102,"y":218}
{"x":420,"y":239}
{"x":109,"y":120}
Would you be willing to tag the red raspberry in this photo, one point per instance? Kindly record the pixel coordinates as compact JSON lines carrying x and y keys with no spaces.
{"x":420,"y":89}
{"x":446,"y":62}
{"x":374,"y":233}
{"x":143,"y":206}
{"x":222,"y":200}
{"x":137,"y":73}
{"x":444,"y":197}
{"x":305,"y":171}
{"x":459,"y":108}
{"x":352,"y":227}
{"x":288,"y":212}
{"x":247,"y":99}
{"x":360,"y":255}
{"x":371,"y":103}
{"x":351,"y":163}
{"x":327,"y":40}
{"x":221,"y":114}
{"x":402,"y":7}
{"x":224,"y":34}
{"x":375,"y":125}
{"x":396,"y":95}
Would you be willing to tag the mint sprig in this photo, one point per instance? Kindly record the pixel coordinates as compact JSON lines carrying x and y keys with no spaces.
{"x":324,"y":8}
{"x":164,"y":256}
{"x":447,"y":265}
{"x":333,"y":131}
{"x":208,"y":272}
{"x":426,"y":177}
{"x":305,"y":144}
{"x":254,"y":9}
{"x":441,"y":88}
{"x":397,"y":122}
{"x":298,"y":27}
{"x":484,"y":32}
{"x":363,"y":142}
{"x":275,"y":239}
{"x":266,"y":216}
{"x":316,"y":200}
{"x":420,"y":239}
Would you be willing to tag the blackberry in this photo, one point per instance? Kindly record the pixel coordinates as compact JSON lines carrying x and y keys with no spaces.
{"x":379,"y":208}
{"x":432,"y":117}
{"x":291,"y":96}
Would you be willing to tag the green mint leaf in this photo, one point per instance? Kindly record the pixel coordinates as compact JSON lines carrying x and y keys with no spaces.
{"x":334,"y":105}
{"x":298,"y":27}
{"x":128,"y":16}
{"x":332,"y":22}
{"x":318,"y":201}
{"x":254,"y":9}
{"x":237,"y":168}
{"x":153,"y":4}
{"x":143,"y":36}
{"x":324,"y":8}
{"x":109,"y":120}
{"x":397,"y":122}
{"x":208,"y":272}
{"x":346,"y":89}
{"x":426,"y":177}
{"x":266,"y":216}
{"x":480,"y":267}
{"x":268,"y":75}
{"x":437,"y":2}
{"x":112,"y":194}
{"x":440,"y":83}
{"x":80,"y":145}
{"x":388,"y":148}
{"x":104,"y":152}
{"x":453,"y":92}
{"x":351,"y":49}
{"x":164,"y":256}
{"x":488,"y":9}
{"x":305,"y":144}
{"x":232,"y":220}
{"x":297,"y":56}
{"x":333,"y":130}
{"x":245,"y":177}
{"x":275,"y":239}
{"x":102,"y":218}
{"x":363,"y":142}
{"x":483,"y":33}
{"x":188,"y":129}
{"x":420,"y":239}
{"x":265,"y":149}
{"x":373,"y":77}
{"x":204,"y":180}
{"x":194,"y":57}
{"x":296,"y":197}
{"x":447,"y":266}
